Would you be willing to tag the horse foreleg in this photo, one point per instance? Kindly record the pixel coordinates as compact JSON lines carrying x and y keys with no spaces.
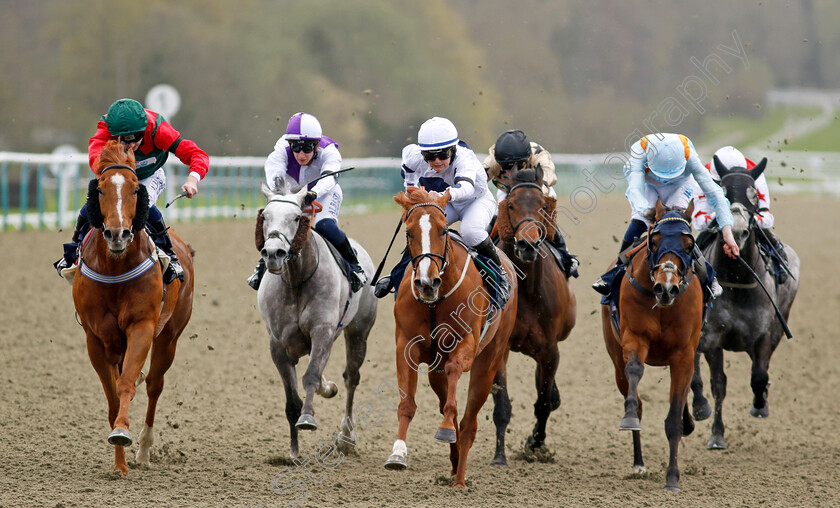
{"x":633,"y":371}
{"x":407,"y":382}
{"x":678,"y":422}
{"x":162,"y":356}
{"x":501,"y":412}
{"x":548,"y":397}
{"x":718,"y":380}
{"x":108,"y":374}
{"x":700,"y":405}
{"x":322,"y":340}
{"x":138,"y":341}
{"x":760,"y":379}
{"x":286,"y":368}
{"x":447,"y":430}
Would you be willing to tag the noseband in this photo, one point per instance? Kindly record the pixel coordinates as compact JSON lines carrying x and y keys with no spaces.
{"x":444,"y":259}
{"x":685,"y":275}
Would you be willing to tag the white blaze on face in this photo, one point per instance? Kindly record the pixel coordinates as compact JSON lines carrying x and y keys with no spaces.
{"x":118,"y":180}
{"x":425,"y":245}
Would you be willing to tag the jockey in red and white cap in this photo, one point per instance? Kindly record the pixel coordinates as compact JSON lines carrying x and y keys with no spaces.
{"x":731,"y":157}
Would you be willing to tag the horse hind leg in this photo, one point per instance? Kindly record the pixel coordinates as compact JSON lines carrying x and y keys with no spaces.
{"x":356,"y":349}
{"x":547,"y":393}
{"x":501,"y":414}
{"x":286,"y":369}
{"x":718,"y":381}
{"x":760,"y":379}
{"x":678,"y":422}
{"x":700,"y":406}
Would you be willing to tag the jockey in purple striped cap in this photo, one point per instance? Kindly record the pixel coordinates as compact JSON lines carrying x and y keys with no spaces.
{"x":301,"y":156}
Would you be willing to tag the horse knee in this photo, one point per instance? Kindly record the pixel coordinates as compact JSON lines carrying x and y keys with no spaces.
{"x":406,"y":409}
{"x":351,"y":379}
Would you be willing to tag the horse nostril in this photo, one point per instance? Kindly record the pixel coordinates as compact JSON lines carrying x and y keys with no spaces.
{"x":436,"y":283}
{"x":417,"y":284}
{"x":107,"y":234}
{"x":673,"y":291}
{"x":126,"y":234}
{"x":658,"y":290}
{"x":264,"y":253}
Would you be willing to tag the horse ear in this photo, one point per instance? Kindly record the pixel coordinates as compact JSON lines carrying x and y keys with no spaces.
{"x":689,"y":211}
{"x":259,"y":239}
{"x":722,"y":170}
{"x":660,"y":209}
{"x":759,"y":168}
{"x":402,"y":198}
{"x":268,"y":193}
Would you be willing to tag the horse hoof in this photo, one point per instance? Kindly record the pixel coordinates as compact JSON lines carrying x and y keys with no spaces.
{"x":702,"y":412}
{"x":716,"y":443}
{"x":120,"y":437}
{"x":639,"y":470}
{"x":445,"y":436}
{"x":395,"y":463}
{"x":760,"y":413}
{"x":306,"y":422}
{"x":672,"y":488}
{"x":499,"y":462}
{"x":630,"y":423}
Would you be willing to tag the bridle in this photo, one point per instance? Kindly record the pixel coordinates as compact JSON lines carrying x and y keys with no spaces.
{"x":441,"y":261}
{"x":685,"y":275}
{"x":515,"y":228}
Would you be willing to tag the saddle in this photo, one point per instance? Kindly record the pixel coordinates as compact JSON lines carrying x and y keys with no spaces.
{"x":497,"y":288}
{"x":343,"y":265}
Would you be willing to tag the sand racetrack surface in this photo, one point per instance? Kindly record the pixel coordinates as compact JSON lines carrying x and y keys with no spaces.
{"x":222,"y":435}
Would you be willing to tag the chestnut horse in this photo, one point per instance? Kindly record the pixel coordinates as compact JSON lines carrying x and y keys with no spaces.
{"x":547,"y":305}
{"x":119,"y":297}
{"x":661,"y":314}
{"x":444,"y":318}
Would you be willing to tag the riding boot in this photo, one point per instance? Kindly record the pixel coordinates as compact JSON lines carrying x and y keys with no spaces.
{"x":487,"y":249}
{"x":392,"y":281}
{"x":570,"y":263}
{"x":160,"y":235}
{"x":701,"y":269}
{"x":634,"y":231}
{"x":357,"y":275}
{"x":71,"y":248}
{"x":256,"y":278}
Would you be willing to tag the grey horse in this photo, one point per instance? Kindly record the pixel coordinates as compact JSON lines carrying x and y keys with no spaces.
{"x":742,"y":318}
{"x":306,"y":302}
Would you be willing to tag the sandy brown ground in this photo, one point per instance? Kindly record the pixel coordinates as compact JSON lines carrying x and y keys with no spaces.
{"x":222,"y":434}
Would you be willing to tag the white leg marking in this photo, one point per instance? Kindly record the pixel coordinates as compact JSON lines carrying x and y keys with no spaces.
{"x":147,"y":438}
{"x":400,"y":448}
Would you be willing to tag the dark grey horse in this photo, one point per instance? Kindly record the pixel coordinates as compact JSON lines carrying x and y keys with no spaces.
{"x":306,"y":303}
{"x":743,"y":318}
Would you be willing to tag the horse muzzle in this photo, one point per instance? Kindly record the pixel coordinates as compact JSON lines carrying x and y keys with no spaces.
{"x":117,"y":239}
{"x":427,"y":289}
{"x":275,"y":256}
{"x":666,"y":293}
{"x":526,"y":251}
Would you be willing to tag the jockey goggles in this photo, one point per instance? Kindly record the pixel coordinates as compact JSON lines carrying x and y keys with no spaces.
{"x":134,"y":137}
{"x":430,"y":155}
{"x":298,"y":146}
{"x":509,"y":165}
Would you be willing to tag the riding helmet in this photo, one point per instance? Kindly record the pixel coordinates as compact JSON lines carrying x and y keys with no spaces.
{"x":126,"y":116}
{"x":512,"y":146}
{"x":303,"y":126}
{"x":436,"y":134}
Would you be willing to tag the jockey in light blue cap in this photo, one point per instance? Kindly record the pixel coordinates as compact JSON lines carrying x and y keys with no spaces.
{"x":665,"y":166}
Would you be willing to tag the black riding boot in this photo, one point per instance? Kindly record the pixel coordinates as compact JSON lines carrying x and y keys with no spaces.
{"x":601,"y":287}
{"x":71,"y":248}
{"x":256,"y":278}
{"x":487,"y":249}
{"x":702,"y":272}
{"x":358,"y":276}
{"x":160,"y":235}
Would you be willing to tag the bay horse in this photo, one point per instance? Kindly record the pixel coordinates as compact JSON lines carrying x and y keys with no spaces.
{"x":661,"y":314}
{"x":444,"y":318}
{"x":546,"y":310}
{"x":306,"y":303}
{"x":119,"y":297}
{"x":743,"y":317}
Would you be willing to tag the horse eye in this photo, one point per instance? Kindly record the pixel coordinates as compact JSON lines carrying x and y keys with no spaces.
{"x":137,"y":191}
{"x":510,"y":205}
{"x":297,"y":218}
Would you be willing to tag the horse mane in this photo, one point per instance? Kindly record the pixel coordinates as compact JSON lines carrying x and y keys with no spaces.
{"x":115,"y":153}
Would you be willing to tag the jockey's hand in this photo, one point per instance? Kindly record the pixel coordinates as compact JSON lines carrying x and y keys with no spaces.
{"x":729,"y":245}
{"x":190,"y":187}
{"x":311,"y":196}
